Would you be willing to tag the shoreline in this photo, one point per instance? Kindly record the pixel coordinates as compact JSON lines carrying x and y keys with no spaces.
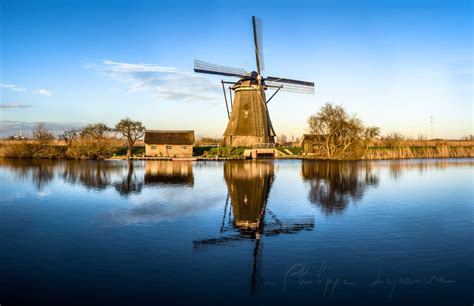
{"x":201,"y":159}
{"x":408,"y":150}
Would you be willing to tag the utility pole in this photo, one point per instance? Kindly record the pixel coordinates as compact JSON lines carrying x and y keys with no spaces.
{"x":431,"y":119}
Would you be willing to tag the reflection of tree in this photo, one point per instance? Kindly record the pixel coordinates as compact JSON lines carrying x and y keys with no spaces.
{"x":334,"y":184}
{"x":92,"y":174}
{"x":99,"y":175}
{"x":40,"y":171}
{"x":249,"y":185}
{"x":130,"y":183}
{"x":169,"y":173}
{"x":42,"y":175}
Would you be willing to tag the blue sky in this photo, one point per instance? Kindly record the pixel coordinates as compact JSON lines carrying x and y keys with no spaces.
{"x":393,"y":63}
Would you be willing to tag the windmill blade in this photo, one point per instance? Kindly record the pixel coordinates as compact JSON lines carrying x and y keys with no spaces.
{"x":289,"y":81}
{"x":289,"y":226}
{"x":291,"y":87}
{"x":258,"y":42}
{"x":221,"y":241}
{"x":203,"y":67}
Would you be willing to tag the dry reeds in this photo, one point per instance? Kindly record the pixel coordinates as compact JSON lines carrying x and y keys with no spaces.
{"x":419,"y":152}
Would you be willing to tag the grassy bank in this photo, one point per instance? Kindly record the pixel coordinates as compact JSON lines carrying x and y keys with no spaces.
{"x":419,"y":152}
{"x":406,"y":149}
{"x":58,"y":150}
{"x":96,"y":150}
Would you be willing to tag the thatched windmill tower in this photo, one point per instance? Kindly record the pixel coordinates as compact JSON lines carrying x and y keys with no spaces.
{"x":249,"y":120}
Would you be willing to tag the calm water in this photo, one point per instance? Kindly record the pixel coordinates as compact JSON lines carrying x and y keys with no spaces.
{"x":246,"y":233}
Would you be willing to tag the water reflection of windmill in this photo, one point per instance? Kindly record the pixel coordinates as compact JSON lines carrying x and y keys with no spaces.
{"x":248,"y":217}
{"x":249,"y":120}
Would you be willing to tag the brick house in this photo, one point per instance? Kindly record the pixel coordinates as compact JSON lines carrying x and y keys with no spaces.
{"x":169,"y":143}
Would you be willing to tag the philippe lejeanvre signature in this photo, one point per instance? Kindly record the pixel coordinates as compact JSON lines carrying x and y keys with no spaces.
{"x":303,"y":275}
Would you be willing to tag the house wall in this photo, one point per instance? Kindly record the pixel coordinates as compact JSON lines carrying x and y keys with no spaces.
{"x":308,"y":147}
{"x":175,"y":151}
{"x":311,"y":147}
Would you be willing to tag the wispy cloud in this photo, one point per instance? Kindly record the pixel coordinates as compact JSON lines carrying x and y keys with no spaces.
{"x":44,"y":92}
{"x":164,"y":82}
{"x":12,"y":87}
{"x":14,"y":105}
{"x":8,"y":127}
{"x":40,"y":91}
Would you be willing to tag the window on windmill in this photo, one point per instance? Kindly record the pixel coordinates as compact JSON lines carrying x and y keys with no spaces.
{"x":169,"y":147}
{"x":153,"y":147}
{"x":184,"y":147}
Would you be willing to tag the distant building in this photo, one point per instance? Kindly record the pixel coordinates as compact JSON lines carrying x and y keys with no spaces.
{"x":19,"y":136}
{"x":169,"y":143}
{"x":311,"y":143}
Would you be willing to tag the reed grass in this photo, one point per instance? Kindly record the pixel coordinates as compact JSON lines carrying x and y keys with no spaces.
{"x":404,"y":152}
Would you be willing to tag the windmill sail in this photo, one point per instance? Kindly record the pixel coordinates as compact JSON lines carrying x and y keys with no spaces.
{"x":203,"y":67}
{"x":249,"y":121}
{"x":290,"y":87}
{"x":257,"y":37}
{"x":289,"y":81}
{"x":290,"y":84}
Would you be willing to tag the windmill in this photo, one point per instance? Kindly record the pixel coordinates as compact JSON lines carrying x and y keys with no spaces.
{"x":249,"y":120}
{"x":248,"y":218}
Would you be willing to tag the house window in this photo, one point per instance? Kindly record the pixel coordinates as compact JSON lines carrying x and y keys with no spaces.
{"x":169,"y":147}
{"x":153,"y":147}
{"x":184,"y":147}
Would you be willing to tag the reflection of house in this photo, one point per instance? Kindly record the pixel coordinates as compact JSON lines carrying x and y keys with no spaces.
{"x":311,"y":143}
{"x":168,"y":173}
{"x":169,"y":143}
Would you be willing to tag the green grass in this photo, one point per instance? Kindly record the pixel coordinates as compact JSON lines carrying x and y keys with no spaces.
{"x":219,"y":151}
{"x":238,"y":151}
{"x":199,"y":151}
{"x":122,"y":151}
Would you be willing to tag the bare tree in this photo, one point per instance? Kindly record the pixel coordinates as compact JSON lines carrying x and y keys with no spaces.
{"x":95,"y":141}
{"x":369,"y":134}
{"x":340,"y":135}
{"x":393,"y":139}
{"x":96,"y":131}
{"x":41,"y":134}
{"x":42,"y":137}
{"x":131,"y":131}
{"x":70,"y":136}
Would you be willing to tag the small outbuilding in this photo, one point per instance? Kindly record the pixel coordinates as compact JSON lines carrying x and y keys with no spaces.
{"x":169,"y":143}
{"x":311,"y":143}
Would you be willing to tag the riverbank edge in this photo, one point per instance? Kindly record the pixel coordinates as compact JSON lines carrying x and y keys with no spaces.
{"x":372,"y":153}
{"x":220,"y":159}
